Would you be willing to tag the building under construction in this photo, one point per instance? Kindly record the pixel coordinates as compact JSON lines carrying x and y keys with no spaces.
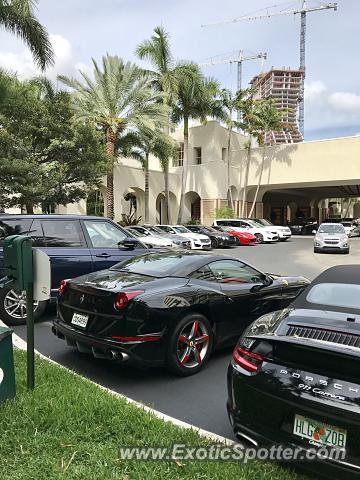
{"x":284,"y":87}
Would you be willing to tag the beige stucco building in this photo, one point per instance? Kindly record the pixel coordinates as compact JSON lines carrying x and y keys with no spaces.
{"x":296,"y":177}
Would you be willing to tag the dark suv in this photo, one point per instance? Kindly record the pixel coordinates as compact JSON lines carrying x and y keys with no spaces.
{"x":75,"y":244}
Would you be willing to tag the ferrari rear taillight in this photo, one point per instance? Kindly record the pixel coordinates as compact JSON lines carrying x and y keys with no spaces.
{"x":123,"y":298}
{"x":247,"y":360}
{"x":62,"y":287}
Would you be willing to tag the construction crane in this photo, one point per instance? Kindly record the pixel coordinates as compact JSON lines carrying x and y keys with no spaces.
{"x":239,"y":59}
{"x":303,"y":12}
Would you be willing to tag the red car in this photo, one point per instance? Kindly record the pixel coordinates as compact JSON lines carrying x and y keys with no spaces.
{"x":245,"y":238}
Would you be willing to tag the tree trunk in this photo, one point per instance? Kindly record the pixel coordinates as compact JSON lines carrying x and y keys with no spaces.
{"x":110,"y":150}
{"x":29,"y":207}
{"x":147,"y":191}
{"x":167,"y":194}
{"x":228,"y":170}
{"x":184,"y":169}
{"x":259,"y":181}
{"x":246,"y":181}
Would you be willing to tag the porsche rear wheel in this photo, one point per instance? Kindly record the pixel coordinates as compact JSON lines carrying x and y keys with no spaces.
{"x":190,"y":345}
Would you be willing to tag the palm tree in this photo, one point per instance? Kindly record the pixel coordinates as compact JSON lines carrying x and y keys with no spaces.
{"x":164,"y":79}
{"x":119,"y":100}
{"x":159,"y":144}
{"x":267,"y":118}
{"x":17,"y":17}
{"x":231,"y":103}
{"x":196,"y":99}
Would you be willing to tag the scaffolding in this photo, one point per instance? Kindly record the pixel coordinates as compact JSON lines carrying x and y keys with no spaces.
{"x":283,"y":86}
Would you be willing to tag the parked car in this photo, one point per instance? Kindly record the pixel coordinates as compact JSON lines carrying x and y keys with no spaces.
{"x":150,"y":230}
{"x":75,"y":244}
{"x":283,"y":232}
{"x":331,"y":237}
{"x":302,"y":365}
{"x":198,"y":240}
{"x":244,"y":238}
{"x":165,"y":308}
{"x":218,"y":239}
{"x":150,"y":240}
{"x":351,"y":227}
{"x":303,"y":225}
{"x":262,"y":234}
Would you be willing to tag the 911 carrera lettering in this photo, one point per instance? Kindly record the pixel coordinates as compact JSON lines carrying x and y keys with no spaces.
{"x":319,"y":381}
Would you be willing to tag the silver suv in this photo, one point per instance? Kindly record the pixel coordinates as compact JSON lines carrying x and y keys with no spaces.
{"x":331,"y":237}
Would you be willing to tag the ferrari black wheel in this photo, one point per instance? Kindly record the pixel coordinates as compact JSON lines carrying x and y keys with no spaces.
{"x":190,"y":345}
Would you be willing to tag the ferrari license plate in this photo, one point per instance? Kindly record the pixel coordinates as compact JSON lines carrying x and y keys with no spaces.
{"x":80,"y":320}
{"x":319,"y":433}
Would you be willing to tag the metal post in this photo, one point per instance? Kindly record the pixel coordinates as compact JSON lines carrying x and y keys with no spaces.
{"x":302,"y":67}
{"x":30,"y":336}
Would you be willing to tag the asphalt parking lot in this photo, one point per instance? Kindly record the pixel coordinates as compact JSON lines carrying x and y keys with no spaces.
{"x":200,"y":399}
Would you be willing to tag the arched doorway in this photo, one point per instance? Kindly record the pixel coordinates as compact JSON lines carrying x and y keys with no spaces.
{"x":192,"y":209}
{"x":95,"y":203}
{"x":132,"y":206}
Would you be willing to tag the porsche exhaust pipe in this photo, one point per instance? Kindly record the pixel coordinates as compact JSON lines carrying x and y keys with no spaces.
{"x":248,"y":441}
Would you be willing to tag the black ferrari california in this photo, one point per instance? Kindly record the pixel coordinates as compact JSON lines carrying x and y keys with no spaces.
{"x":167,"y":308}
{"x":302,"y":364}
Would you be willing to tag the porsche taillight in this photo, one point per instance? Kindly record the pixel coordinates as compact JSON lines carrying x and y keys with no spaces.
{"x":123,"y":298}
{"x":247,"y":360}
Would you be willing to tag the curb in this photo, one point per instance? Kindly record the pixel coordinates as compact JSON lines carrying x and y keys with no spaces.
{"x":20,"y":344}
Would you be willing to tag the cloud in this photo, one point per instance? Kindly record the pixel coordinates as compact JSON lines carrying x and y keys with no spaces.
{"x":328,"y":109}
{"x":23,"y":64}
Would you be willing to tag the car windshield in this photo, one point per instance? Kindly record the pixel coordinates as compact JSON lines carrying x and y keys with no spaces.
{"x":265,"y":222}
{"x":181,"y":229}
{"x":253,"y":224}
{"x":165,"y":228}
{"x":331,"y":228}
{"x":209,"y":229}
{"x":346,"y":224}
{"x":133,"y":232}
{"x":154,"y":230}
{"x":344,"y":295}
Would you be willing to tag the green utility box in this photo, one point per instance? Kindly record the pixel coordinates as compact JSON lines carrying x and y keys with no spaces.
{"x":18,"y":260}
{"x":7,"y":372}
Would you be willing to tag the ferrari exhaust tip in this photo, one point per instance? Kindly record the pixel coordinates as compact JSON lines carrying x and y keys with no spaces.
{"x":120,"y":356}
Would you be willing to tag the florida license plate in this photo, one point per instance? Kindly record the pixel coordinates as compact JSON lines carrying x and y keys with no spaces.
{"x":80,"y":320}
{"x":319,"y":433}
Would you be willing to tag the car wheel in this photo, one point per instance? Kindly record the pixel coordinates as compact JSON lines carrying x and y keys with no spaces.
{"x":259,"y":238}
{"x":189,"y":345}
{"x":214,"y":243}
{"x":13,"y":307}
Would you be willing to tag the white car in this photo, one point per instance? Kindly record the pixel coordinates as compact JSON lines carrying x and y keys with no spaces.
{"x":152,"y":232}
{"x":262,"y":234}
{"x":350,"y":229}
{"x":331,"y":237}
{"x":150,"y":241}
{"x":283,"y":232}
{"x":198,"y":241}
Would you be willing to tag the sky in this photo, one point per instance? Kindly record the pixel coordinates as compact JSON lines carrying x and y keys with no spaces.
{"x":85,"y":29}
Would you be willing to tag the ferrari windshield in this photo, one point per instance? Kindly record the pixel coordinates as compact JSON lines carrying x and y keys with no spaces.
{"x":331,"y":228}
{"x":344,"y":295}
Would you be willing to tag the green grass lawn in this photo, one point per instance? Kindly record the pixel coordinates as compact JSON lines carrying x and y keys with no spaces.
{"x":70,"y":429}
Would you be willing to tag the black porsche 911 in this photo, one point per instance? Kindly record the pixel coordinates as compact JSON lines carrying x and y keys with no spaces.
{"x":302,"y":364}
{"x":167,"y":308}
